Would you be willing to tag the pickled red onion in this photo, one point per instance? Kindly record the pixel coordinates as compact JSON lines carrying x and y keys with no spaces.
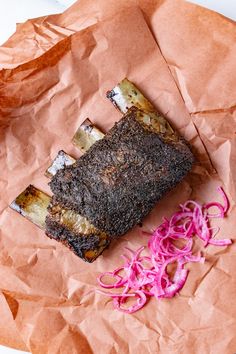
{"x":146,"y":276}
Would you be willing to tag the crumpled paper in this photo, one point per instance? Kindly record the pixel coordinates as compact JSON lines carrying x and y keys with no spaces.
{"x":55,"y":73}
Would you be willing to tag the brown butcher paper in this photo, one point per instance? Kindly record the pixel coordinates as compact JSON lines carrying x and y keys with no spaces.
{"x":55,"y":72}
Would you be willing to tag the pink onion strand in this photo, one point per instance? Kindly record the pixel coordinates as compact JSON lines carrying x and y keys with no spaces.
{"x":146,"y":276}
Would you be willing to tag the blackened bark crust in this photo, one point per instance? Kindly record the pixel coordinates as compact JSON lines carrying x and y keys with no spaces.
{"x":86,"y":242}
{"x":121,"y":178}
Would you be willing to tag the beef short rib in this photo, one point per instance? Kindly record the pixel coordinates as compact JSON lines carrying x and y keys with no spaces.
{"x":122,"y":176}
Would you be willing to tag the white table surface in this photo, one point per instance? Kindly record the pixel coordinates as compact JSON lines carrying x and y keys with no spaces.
{"x":24,"y":9}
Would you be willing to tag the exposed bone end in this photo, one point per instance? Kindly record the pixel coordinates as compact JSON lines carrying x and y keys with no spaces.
{"x":86,"y":135}
{"x":61,"y":224}
{"x":32,"y":204}
{"x":126,"y":95}
{"x":61,"y":160}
